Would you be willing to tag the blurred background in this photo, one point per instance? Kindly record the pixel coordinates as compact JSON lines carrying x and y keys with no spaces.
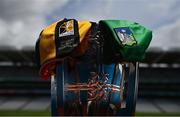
{"x":21,"y":21}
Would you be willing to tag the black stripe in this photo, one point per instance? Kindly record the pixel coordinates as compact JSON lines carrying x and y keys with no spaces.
{"x":37,"y":52}
{"x":58,"y":40}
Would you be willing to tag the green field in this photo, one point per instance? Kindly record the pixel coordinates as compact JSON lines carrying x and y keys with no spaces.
{"x":25,"y":113}
{"x":46,"y":113}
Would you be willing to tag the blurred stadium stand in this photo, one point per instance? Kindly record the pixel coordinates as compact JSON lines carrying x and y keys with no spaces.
{"x":159,"y":73}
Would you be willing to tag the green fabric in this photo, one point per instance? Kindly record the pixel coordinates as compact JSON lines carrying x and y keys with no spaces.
{"x":114,"y":48}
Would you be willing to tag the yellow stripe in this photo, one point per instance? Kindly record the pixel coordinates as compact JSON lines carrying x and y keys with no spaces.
{"x":47,"y":43}
{"x":84,"y":27}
